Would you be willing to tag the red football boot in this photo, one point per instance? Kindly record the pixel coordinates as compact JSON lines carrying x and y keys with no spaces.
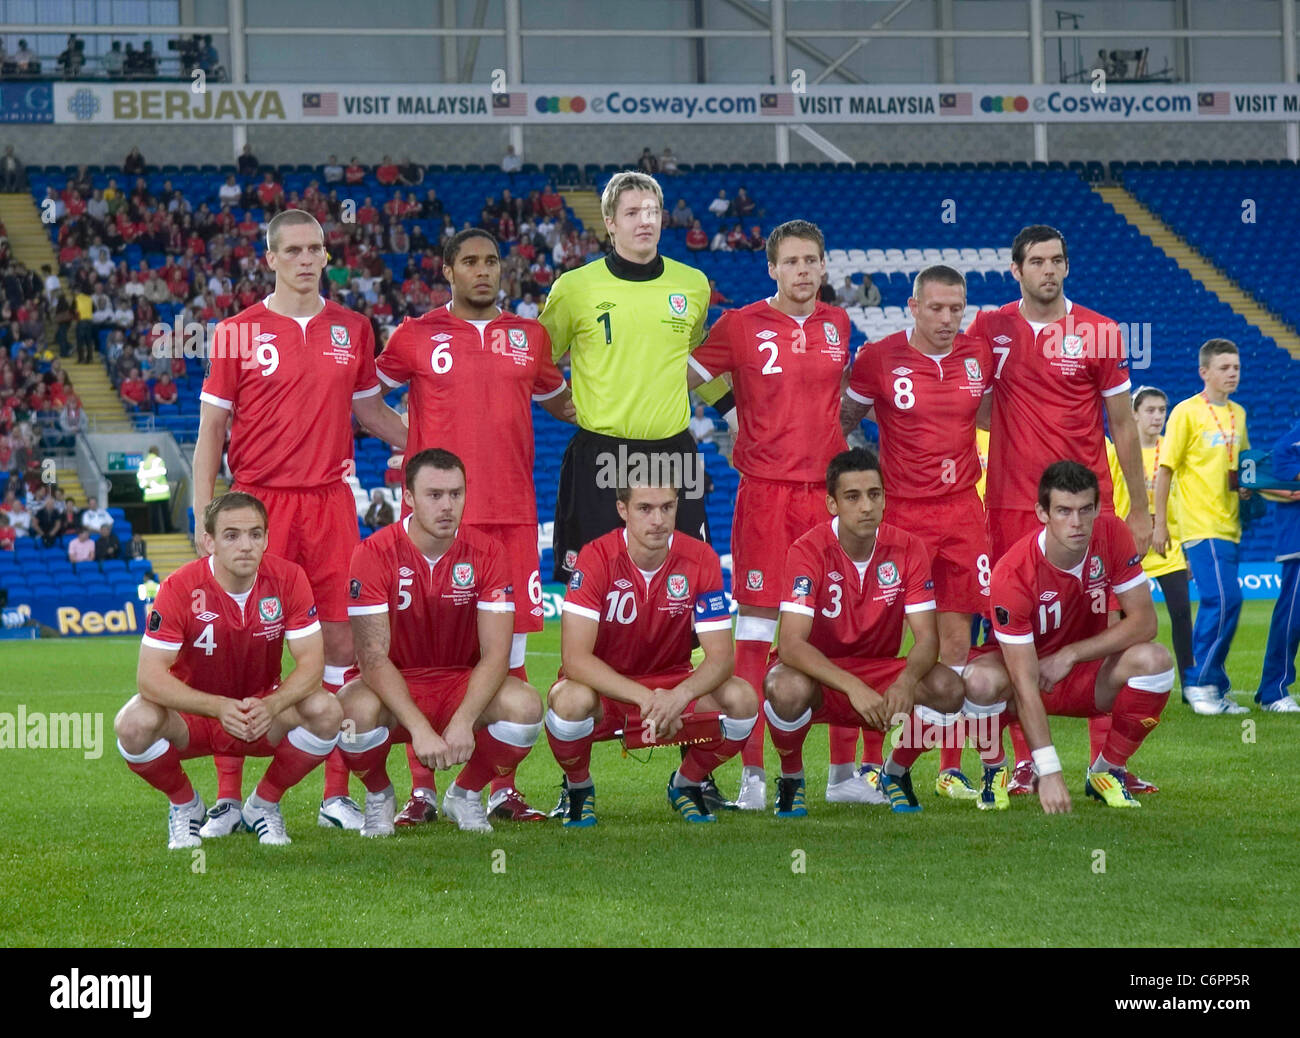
{"x":509,"y":805}
{"x":1023,"y":780}
{"x":1138,"y":786}
{"x":416,"y":812}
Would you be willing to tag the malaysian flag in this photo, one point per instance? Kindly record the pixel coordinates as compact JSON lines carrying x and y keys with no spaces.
{"x":1212,"y":103}
{"x":777,"y":104}
{"x":515,"y":104}
{"x":320,"y":104}
{"x":954,"y":104}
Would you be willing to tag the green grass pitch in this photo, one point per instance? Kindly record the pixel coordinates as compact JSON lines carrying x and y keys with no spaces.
{"x":1210,"y":860}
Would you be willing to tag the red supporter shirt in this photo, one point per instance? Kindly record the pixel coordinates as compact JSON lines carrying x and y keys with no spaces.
{"x":1047,"y":398}
{"x":134,"y":389}
{"x":292,"y":398}
{"x":471,"y":393}
{"x":857,"y":608}
{"x":432,"y":605}
{"x":646,"y":628}
{"x":226,"y":650}
{"x":925,"y":407}
{"x":786,"y":379}
{"x":1034,"y":602}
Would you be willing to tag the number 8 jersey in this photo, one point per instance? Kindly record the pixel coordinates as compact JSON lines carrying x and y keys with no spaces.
{"x":645,"y":624}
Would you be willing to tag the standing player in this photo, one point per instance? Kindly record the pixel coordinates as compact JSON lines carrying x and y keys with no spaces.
{"x":432,"y":610}
{"x":634,"y":599}
{"x":1057,"y":367}
{"x":850,"y":584}
{"x":1056,"y":653}
{"x":474,"y":371}
{"x":786,"y":356}
{"x":924,"y":389}
{"x":291,"y":371}
{"x":209,"y":675}
{"x":1207,"y":433}
{"x":1284,"y":628}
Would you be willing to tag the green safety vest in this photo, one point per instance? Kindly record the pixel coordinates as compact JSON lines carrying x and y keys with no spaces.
{"x":148,"y":590}
{"x":152,"y":477}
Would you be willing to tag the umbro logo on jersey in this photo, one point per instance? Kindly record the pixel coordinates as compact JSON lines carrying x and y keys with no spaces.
{"x":604,"y":306}
{"x":622,"y":585}
{"x":767,"y":333}
{"x":206,"y":617}
{"x":835,"y":575}
{"x":406,"y":571}
{"x":442,"y":337}
{"x":1047,"y":596}
{"x":902,"y":371}
{"x":264,"y":337}
{"x":1002,"y":340}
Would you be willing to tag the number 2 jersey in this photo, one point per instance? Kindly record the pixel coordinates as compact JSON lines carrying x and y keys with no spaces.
{"x":1036,"y":603}
{"x":645,"y":626}
{"x":226,"y":649}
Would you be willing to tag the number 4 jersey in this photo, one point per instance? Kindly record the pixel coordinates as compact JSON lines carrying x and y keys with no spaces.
{"x":1034,"y":602}
{"x":646,"y":619}
{"x":226,"y":648}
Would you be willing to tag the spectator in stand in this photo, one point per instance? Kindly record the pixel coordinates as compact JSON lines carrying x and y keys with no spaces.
{"x":133,"y":164}
{"x":20,"y":520}
{"x":24,"y":60}
{"x":527,"y":307}
{"x":870,"y":293}
{"x":510,"y":162}
{"x":736,"y":240}
{"x":108,"y":546}
{"x":826,"y":293}
{"x":333,"y":171}
{"x":136,"y":548}
{"x":387,"y":172}
{"x":270,"y":194}
{"x":742,"y":205}
{"x":134,"y":391}
{"x":48,"y":523}
{"x":849,"y":294}
{"x":431,"y":208}
{"x":701,"y":426}
{"x":53,"y":286}
{"x":552,"y":203}
{"x":164,"y":390}
{"x":720,"y":207}
{"x":718,"y":243}
{"x":380,"y":512}
{"x":82,"y":549}
{"x":114,"y":61}
{"x":367,"y":214}
{"x":94,"y":518}
{"x":716,"y":298}
{"x":7,"y":534}
{"x":65,"y":319}
{"x":647,"y":163}
{"x":668,"y":163}
{"x":355,"y":173}
{"x":230,"y":192}
{"x":697,"y":240}
{"x":247,"y":163}
{"x":13,"y":176}
{"x":756,"y":242}
{"x":411,"y":173}
{"x":682,"y":215}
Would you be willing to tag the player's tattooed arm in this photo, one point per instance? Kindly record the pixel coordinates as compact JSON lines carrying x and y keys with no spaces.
{"x":371,"y":635}
{"x":380,"y":420}
{"x":852,"y":412}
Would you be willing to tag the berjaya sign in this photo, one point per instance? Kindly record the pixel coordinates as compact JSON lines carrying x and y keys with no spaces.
{"x":182,"y":104}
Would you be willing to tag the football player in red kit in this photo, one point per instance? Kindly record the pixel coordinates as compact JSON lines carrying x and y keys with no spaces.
{"x":633,"y":601}
{"x":432,"y":608}
{"x":209,"y":675}
{"x":851,"y":583}
{"x":1055,"y":654}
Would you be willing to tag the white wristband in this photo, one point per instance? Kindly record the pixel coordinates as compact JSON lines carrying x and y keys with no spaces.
{"x":1046,"y":762}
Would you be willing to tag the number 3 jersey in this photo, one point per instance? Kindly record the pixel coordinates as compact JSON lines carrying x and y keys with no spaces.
{"x":225,"y":648}
{"x":646,"y":620}
{"x":1034,"y":602}
{"x":925,"y":407}
{"x":857,"y":608}
{"x":432,"y":604}
{"x":290,"y":383}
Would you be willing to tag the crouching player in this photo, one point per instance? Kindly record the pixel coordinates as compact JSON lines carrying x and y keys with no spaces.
{"x":1055,"y":653}
{"x":625,"y":645}
{"x":432,"y":611}
{"x":849,"y":584}
{"x":209,"y":675}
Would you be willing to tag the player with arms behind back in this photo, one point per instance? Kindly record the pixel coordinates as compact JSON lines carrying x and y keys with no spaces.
{"x":474,"y":371}
{"x":850,"y":585}
{"x":432,"y":608}
{"x":786,"y":357}
{"x":634,"y":599}
{"x":292,"y":370}
{"x":1055,"y":654}
{"x":209,"y":675}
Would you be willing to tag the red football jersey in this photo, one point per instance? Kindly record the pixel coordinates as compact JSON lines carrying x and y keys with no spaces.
{"x":1034,"y":602}
{"x":925,"y":407}
{"x":432,"y":604}
{"x":291,"y":392}
{"x":227,"y":649}
{"x":645,"y":626}
{"x":857,"y":607}
{"x":471,"y":393}
{"x":1047,"y":398}
{"x":786,"y":378}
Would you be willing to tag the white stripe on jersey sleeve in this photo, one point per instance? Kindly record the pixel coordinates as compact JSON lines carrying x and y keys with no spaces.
{"x":303,"y":632}
{"x":363,"y":393}
{"x":714,"y":625}
{"x":496,"y":607}
{"x":794,"y":607}
{"x":390,"y":383}
{"x":539,"y":397}
{"x":919,"y":607}
{"x":225,"y":405}
{"x":369,"y":610}
{"x":1123,"y":387}
{"x":1128,"y":585}
{"x":154,"y":643}
{"x":1013,"y":639}
{"x":858,"y":396}
{"x":577,"y":610}
{"x":700,"y":369}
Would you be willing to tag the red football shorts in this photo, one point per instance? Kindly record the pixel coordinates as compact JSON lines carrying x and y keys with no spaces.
{"x":208,"y":738}
{"x":1008,"y":525}
{"x":520,"y":543}
{"x":438,"y":692}
{"x":317,"y":529}
{"x":615,"y":711}
{"x":878,"y":674}
{"x":952,"y":528}
{"x":1076,"y":696}
{"x":770,"y":516}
